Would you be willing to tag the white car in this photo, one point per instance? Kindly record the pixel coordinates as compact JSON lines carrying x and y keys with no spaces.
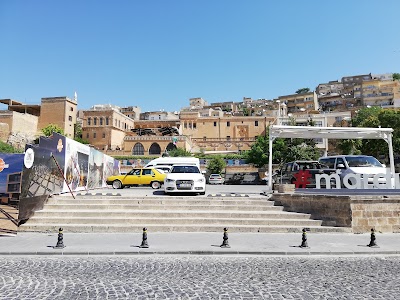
{"x":215,"y":179}
{"x":185,"y":179}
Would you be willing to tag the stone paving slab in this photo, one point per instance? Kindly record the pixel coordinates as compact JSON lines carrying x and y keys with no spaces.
{"x":25,"y":243}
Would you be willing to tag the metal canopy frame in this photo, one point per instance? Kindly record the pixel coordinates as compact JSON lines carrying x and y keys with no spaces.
{"x":310,"y":132}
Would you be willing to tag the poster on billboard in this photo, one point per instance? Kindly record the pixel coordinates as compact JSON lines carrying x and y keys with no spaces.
{"x":10,"y":164}
{"x":95,"y":178}
{"x":76,"y":166}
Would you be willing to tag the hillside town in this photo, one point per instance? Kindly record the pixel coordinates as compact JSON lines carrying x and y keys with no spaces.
{"x":220,"y":127}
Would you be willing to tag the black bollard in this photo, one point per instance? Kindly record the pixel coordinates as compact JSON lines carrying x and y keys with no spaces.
{"x":372,"y":243}
{"x":60,"y":240}
{"x":144,"y":239}
{"x":225,"y":243}
{"x":304,"y":243}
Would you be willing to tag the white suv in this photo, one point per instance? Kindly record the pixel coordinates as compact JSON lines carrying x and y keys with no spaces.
{"x":185,"y":179}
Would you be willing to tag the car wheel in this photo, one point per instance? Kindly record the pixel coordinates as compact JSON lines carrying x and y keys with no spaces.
{"x":155,"y":185}
{"x":117,"y":184}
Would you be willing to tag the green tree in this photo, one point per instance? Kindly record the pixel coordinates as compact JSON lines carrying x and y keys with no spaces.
{"x":7,"y":148}
{"x":78,"y":134}
{"x":246,"y":111}
{"x":179,"y":152}
{"x":302,"y":91}
{"x":259,"y":152}
{"x":373,"y":117}
{"x":49,"y":129}
{"x":396,"y":76}
{"x":216,"y":165}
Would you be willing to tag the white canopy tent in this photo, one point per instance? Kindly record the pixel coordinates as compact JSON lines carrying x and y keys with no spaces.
{"x":310,"y":132}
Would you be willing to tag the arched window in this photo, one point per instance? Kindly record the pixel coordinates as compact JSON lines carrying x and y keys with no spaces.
{"x":107,"y":121}
{"x":89,"y":121}
{"x":94,"y":121}
{"x":171,"y":146}
{"x":155,"y":149}
{"x":138,"y":149}
{"x":101,"y":121}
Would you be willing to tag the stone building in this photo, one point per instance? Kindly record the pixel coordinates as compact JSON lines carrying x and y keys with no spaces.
{"x":105,"y":127}
{"x":21,"y":122}
{"x":300,"y":102}
{"x":61,"y":111}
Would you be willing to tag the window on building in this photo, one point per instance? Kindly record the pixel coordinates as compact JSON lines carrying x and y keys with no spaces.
{"x":138,"y":149}
{"x":107,"y":121}
{"x":94,"y":121}
{"x":255,"y":123}
{"x":104,"y":135}
{"x":89,"y":121}
{"x":94,"y":135}
{"x":204,"y":138}
{"x":101,"y":121}
{"x":228,"y":137}
{"x":194,"y":125}
{"x":154,"y":149}
{"x":70,"y":118}
{"x":71,"y":108}
{"x":119,"y":123}
{"x":116,"y":123}
{"x":228,"y":124}
{"x":215,"y":124}
{"x":87,"y":135}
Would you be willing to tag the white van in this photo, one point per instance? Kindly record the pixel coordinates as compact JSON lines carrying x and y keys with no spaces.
{"x":355,"y":164}
{"x":167,"y":162}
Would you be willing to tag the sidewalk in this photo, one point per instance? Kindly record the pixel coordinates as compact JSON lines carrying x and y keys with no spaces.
{"x":199,"y":244}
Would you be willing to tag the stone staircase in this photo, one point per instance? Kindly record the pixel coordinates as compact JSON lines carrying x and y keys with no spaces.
{"x":165,"y":214}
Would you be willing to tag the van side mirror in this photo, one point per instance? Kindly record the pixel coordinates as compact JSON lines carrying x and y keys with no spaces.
{"x":341,"y":166}
{"x":383,"y":165}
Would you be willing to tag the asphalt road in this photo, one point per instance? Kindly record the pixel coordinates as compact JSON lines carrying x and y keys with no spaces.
{"x":199,"y":277}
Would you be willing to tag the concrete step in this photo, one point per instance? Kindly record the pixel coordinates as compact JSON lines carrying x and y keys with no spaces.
{"x":111,"y":207}
{"x":165,"y":214}
{"x":162,"y":201}
{"x":156,"y":214}
{"x":175,"y":221}
{"x":137,"y":228}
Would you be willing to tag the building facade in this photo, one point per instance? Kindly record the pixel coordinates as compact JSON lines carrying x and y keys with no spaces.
{"x":105,"y":127}
{"x":61,"y":111}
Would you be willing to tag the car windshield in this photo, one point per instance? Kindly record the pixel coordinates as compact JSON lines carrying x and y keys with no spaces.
{"x":185,"y":169}
{"x":363,"y":161}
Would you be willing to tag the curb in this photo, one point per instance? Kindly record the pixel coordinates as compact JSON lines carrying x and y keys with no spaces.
{"x":98,"y":194}
{"x":205,"y":253}
{"x":228,"y":195}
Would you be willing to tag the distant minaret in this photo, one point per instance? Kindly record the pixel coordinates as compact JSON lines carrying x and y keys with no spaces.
{"x":76,"y":97}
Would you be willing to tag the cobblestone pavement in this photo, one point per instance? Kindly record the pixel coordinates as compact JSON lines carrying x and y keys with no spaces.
{"x":199,"y":277}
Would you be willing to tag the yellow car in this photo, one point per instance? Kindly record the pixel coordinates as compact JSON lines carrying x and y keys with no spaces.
{"x":145,"y":176}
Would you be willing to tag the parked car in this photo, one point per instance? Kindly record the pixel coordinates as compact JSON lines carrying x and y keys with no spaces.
{"x":215,"y":179}
{"x":138,"y":176}
{"x":185,"y":179}
{"x":356,"y":164}
{"x":287,"y":174}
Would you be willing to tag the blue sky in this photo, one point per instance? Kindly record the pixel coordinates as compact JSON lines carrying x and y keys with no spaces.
{"x":156,"y":54}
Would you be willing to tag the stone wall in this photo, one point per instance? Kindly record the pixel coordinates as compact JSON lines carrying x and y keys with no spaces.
{"x":360,"y":212}
{"x":379,"y":212}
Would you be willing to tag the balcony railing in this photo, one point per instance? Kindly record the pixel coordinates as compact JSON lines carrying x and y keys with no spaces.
{"x":154,"y":138}
{"x":222,"y":140}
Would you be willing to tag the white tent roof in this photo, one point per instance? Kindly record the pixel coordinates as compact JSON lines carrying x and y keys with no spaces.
{"x":311,"y":132}
{"x":308,"y":132}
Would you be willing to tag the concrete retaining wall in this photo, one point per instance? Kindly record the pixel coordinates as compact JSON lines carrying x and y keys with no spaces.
{"x":361,"y":213}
